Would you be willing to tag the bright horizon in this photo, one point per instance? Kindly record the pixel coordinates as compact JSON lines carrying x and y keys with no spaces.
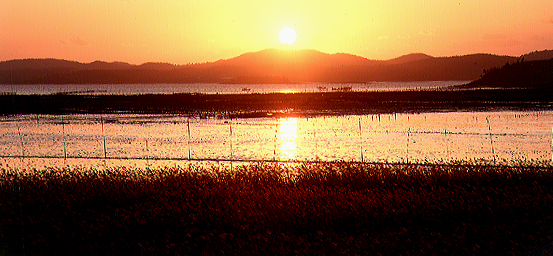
{"x":181,"y":32}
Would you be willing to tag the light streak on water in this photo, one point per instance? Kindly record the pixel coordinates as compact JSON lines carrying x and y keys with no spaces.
{"x":127,"y":139}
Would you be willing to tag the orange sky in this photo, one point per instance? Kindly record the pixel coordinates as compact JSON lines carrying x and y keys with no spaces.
{"x":179,"y":32}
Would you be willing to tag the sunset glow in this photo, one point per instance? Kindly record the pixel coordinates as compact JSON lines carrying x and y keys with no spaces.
{"x":181,"y":32}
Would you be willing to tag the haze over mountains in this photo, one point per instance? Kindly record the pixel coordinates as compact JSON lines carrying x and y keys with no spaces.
{"x":266,"y":66}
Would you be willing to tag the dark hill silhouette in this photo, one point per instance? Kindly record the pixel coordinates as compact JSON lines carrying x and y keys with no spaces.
{"x":157,"y":66}
{"x":274,"y":57}
{"x":26,"y":64}
{"x":313,"y":66}
{"x":102,"y":65}
{"x":30,"y":64}
{"x":538,"y":55}
{"x":266,"y":66}
{"x":409,"y":58}
{"x":296,"y":65}
{"x":532,"y":74}
{"x":467,"y":67}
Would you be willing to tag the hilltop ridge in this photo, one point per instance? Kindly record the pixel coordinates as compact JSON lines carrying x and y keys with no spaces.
{"x":265,"y":66}
{"x":536,"y":74}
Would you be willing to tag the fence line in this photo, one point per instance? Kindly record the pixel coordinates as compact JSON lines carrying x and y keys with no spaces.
{"x":409,"y":133}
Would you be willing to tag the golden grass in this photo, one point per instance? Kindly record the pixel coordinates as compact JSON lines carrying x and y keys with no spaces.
{"x":271,"y":208}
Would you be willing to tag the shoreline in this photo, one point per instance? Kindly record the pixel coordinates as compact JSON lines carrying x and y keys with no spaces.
{"x":247,"y":105}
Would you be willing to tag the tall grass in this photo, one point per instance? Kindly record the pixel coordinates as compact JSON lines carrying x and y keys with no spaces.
{"x":271,"y":208}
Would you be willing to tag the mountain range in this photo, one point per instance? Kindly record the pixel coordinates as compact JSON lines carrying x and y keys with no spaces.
{"x":266,"y":66}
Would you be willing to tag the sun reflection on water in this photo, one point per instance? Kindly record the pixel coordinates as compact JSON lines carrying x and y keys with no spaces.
{"x":139,"y":139}
{"x":287,"y":134}
{"x":287,"y":91}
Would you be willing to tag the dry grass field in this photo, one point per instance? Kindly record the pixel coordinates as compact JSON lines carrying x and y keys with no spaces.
{"x":274,"y":208}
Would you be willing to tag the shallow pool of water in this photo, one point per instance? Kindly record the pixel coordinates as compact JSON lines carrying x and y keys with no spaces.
{"x":30,"y":141}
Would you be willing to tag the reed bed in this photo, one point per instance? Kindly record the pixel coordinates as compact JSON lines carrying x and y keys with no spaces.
{"x":276,"y":208}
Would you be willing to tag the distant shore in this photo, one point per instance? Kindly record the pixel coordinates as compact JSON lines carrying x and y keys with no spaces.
{"x":274,"y":104}
{"x":265,"y":67}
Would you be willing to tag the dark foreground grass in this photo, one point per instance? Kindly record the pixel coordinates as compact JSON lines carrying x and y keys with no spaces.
{"x":260,"y":209}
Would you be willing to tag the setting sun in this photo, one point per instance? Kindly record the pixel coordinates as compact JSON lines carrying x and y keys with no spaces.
{"x":182,"y":32}
{"x":287,"y":36}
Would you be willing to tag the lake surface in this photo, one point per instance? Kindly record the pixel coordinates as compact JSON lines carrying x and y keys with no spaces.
{"x":35,"y":141}
{"x":130,"y":89}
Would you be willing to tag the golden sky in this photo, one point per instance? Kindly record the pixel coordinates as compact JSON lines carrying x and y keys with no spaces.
{"x":180,"y":32}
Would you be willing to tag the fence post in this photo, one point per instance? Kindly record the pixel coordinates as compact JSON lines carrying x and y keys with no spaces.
{"x":103,"y":135}
{"x":408,"y":134}
{"x":446,"y":144}
{"x":316,"y":142}
{"x":147,"y":153}
{"x":360,"y":139}
{"x":274,"y":142}
{"x":188,"y":129}
{"x":22,"y":145}
{"x":63,"y":135}
{"x":230,"y":139}
{"x":491,"y":139}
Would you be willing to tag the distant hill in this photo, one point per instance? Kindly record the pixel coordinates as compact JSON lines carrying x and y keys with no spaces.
{"x":297,"y":66}
{"x":466,"y":67}
{"x":157,"y":66}
{"x":102,"y":65}
{"x":266,"y":66}
{"x":538,"y":55}
{"x":33,"y":64}
{"x":313,"y":66}
{"x":409,"y":58}
{"x":274,"y":57}
{"x":525,"y":74}
{"x":28,"y":64}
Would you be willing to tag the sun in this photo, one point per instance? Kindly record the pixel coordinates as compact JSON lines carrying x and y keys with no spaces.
{"x":287,"y":36}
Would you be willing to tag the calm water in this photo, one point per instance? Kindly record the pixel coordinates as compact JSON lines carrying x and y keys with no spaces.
{"x":397,"y":138}
{"x":129,"y":89}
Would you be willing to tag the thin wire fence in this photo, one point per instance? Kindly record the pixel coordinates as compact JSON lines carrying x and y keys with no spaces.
{"x":350,"y":138}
